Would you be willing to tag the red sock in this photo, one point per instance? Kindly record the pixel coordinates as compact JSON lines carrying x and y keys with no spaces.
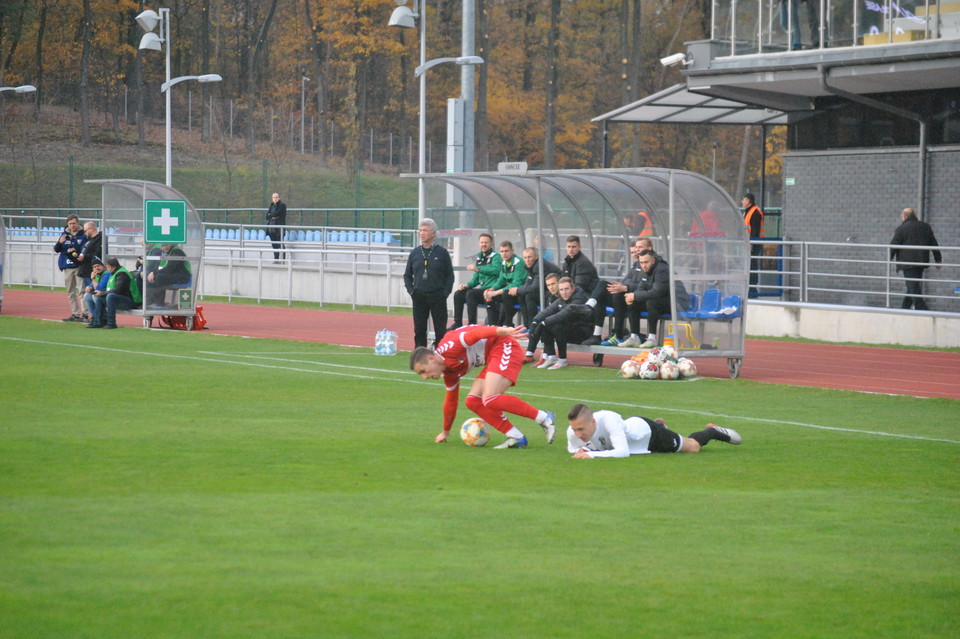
{"x":512,"y":405}
{"x":493,"y":417}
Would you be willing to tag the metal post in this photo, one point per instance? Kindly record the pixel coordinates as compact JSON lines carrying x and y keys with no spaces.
{"x":467,"y":71}
{"x":165,"y":36}
{"x":422,"y":141}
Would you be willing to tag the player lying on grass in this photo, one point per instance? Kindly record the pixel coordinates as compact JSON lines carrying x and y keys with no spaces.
{"x":497,"y":350}
{"x":607,"y":434}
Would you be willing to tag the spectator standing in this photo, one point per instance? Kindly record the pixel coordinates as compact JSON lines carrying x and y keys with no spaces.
{"x":512,"y":274}
{"x":561,"y":323}
{"x":914,"y":261}
{"x":92,"y":248}
{"x":276,"y":220}
{"x":428,"y":279}
{"x":528,"y":293}
{"x":578,"y":266}
{"x":486,"y":268}
{"x":69,"y":246}
{"x":753,"y":218}
{"x":122,"y":294}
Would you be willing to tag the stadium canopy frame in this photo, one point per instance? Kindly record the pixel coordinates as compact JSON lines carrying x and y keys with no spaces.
{"x":695,"y":225}
{"x":3,"y":254}
{"x":123,"y":224}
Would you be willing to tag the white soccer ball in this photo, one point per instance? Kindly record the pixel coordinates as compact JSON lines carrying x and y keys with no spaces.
{"x":475,"y":432}
{"x":656,"y":355}
{"x":669,"y":370}
{"x":649,"y":370}
{"x":629,"y":369}
{"x":669,"y":353}
{"x":687,"y":367}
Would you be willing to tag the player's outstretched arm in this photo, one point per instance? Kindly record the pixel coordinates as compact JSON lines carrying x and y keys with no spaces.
{"x":512,"y":331}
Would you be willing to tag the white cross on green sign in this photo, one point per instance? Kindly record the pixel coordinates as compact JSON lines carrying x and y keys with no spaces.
{"x":164,"y":221}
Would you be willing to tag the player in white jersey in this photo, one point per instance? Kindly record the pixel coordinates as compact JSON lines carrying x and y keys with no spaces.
{"x":606,"y":434}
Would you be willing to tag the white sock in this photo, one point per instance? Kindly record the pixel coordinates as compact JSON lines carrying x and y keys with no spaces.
{"x":515,"y":432}
{"x":529,"y":353}
{"x":597,"y":331}
{"x":541,"y":416}
{"x":652,"y":337}
{"x":591,"y":302}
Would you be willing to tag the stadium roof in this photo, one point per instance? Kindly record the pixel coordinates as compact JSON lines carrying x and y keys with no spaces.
{"x":677,"y":105}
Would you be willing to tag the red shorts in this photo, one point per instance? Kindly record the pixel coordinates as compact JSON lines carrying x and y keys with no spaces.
{"x":504,"y":357}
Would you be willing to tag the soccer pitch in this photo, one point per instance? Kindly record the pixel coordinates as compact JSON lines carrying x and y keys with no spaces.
{"x":170,"y":484}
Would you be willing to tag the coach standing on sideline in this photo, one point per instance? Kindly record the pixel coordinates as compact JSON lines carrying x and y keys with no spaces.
{"x":429,"y":281}
{"x":913,"y":261}
{"x":276,"y":220}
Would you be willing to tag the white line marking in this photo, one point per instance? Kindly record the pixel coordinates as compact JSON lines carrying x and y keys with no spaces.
{"x":418,"y":381}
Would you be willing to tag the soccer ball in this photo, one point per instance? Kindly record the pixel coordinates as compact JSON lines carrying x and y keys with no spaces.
{"x":649,"y":370}
{"x":669,"y":353}
{"x":657,"y":355}
{"x":687,"y":367}
{"x":669,"y":370}
{"x":475,"y":432}
{"x":629,"y":369}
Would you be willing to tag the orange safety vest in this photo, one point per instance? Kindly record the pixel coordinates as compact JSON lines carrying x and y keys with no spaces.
{"x":647,"y":224}
{"x":752,"y":210}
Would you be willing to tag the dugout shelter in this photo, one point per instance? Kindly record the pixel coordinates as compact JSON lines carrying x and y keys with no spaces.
{"x":156,"y":222}
{"x":694,"y":224}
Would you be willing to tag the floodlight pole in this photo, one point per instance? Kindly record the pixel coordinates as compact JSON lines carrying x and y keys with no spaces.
{"x":422,"y":139}
{"x":303,"y":81}
{"x":165,"y":37}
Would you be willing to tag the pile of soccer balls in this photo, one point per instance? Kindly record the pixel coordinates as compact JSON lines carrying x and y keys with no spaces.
{"x":658,"y":363}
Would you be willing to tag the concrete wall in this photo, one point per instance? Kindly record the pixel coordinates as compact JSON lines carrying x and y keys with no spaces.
{"x":861,"y":325}
{"x":857,"y":195}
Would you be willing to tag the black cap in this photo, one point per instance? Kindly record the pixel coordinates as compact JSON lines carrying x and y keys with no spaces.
{"x":96,"y":261}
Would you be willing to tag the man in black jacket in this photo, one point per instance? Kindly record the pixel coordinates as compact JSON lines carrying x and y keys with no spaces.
{"x":561,"y":323}
{"x":428,"y":279}
{"x":92,"y":248}
{"x":528,"y":293}
{"x":276,"y":219}
{"x":653,"y":296}
{"x":578,"y":266}
{"x":913,"y":261}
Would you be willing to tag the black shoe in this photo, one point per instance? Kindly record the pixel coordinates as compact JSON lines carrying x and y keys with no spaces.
{"x":72,"y":318}
{"x":109,"y":326}
{"x":455,"y":325}
{"x":592,"y":341}
{"x":94,"y":325}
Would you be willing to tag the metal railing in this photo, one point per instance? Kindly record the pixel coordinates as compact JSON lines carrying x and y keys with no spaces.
{"x":745,"y":27}
{"x":849,"y":274}
{"x":835,"y":273}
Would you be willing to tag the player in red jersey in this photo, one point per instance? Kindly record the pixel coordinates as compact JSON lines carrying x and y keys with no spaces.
{"x":497,"y":350}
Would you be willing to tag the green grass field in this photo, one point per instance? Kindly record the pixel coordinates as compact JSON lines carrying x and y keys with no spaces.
{"x":169,"y":484}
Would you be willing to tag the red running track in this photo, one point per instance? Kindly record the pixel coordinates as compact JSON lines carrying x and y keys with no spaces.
{"x":870,"y":369}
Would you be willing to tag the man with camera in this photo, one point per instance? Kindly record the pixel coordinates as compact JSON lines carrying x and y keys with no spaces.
{"x":69,"y":246}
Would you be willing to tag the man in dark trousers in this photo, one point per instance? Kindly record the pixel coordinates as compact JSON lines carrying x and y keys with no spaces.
{"x":276,"y":219}
{"x":914,"y":261}
{"x":753,"y":218}
{"x":428,"y":279}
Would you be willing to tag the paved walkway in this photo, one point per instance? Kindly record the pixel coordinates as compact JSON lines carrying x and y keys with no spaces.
{"x":862,"y":368}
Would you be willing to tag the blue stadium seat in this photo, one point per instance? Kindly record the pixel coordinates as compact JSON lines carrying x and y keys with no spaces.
{"x":378,"y":237}
{"x":261,"y":234}
{"x":710,"y":305}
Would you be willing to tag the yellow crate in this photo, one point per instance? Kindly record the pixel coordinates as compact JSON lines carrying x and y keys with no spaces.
{"x":944,"y":8}
{"x":881,"y":38}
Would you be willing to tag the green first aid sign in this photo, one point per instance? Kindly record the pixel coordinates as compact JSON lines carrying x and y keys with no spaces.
{"x":164,"y":221}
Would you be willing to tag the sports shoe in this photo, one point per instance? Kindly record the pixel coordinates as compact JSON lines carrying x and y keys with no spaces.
{"x":548,"y":362}
{"x":648,"y":344}
{"x":630,"y":342}
{"x":72,"y":318}
{"x":560,"y":363}
{"x":513,"y":442}
{"x":528,"y":359}
{"x":727,"y":434}
{"x":92,"y":325}
{"x":550,"y":426}
{"x":537,"y":363}
{"x":613,"y":340}
{"x":591,"y":341}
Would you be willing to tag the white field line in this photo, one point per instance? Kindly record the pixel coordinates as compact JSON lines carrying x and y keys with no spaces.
{"x":407,"y":378}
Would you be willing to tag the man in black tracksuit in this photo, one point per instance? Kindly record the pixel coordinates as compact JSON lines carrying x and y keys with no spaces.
{"x":428,"y":279}
{"x":913,"y":261}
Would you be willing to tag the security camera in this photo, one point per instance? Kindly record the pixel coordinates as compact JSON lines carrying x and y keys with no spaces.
{"x":676,"y":58}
